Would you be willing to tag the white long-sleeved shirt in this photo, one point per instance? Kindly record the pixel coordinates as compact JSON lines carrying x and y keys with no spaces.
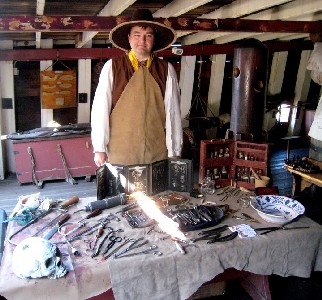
{"x":102,"y":104}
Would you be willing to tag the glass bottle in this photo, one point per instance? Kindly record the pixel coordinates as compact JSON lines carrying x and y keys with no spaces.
{"x":226,"y":153}
{"x":216,"y":174}
{"x":207,"y":186}
{"x":224,"y":173}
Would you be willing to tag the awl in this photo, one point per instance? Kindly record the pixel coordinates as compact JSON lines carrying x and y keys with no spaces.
{"x":54,"y":229}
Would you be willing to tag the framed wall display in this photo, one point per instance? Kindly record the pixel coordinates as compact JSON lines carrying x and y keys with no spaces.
{"x":58,"y":89}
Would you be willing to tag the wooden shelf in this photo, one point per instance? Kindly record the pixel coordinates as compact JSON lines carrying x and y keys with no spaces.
{"x":257,"y":157}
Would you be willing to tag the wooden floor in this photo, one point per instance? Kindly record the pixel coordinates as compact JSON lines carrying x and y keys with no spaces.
{"x":11,"y":190}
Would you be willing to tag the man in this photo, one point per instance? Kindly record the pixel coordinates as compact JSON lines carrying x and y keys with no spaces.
{"x":136,"y":113}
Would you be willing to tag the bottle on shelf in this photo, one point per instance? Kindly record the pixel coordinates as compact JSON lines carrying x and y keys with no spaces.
{"x":226,"y":153}
{"x":216,"y":174}
{"x":238,"y":173}
{"x":224,"y":173}
{"x":245,"y":175}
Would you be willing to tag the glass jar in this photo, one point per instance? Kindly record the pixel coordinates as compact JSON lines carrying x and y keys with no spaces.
{"x":207,"y":186}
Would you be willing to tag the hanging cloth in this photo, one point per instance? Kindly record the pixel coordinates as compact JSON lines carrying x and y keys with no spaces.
{"x":137,"y":122}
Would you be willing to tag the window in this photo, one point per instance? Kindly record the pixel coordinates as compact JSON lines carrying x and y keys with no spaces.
{"x":283,"y":113}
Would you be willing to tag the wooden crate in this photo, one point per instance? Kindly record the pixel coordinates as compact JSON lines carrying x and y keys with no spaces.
{"x":40,"y":159}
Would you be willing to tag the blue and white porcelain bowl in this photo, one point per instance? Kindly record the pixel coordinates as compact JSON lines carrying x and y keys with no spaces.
{"x":277,"y":209}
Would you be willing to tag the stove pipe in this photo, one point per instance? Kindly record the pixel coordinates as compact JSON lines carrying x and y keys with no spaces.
{"x":249,"y":90}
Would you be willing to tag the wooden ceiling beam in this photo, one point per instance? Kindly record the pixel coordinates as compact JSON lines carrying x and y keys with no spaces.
{"x":178,"y":7}
{"x":105,"y":24}
{"x":112,"y":8}
{"x":291,"y":10}
{"x":39,"y":12}
{"x":106,"y":53}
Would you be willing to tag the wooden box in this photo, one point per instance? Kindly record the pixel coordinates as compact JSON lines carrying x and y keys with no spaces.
{"x":238,"y":158}
{"x":51,"y":158}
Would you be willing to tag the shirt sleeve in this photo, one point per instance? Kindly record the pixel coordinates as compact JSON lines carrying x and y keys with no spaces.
{"x":173,"y":114}
{"x":101,"y":109}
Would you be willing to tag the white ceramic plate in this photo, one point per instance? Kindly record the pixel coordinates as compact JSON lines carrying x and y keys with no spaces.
{"x":277,"y":209}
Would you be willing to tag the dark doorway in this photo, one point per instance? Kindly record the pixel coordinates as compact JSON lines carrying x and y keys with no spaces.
{"x":27,"y":95}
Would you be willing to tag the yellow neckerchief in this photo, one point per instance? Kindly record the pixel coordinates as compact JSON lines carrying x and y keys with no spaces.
{"x":136,"y":63}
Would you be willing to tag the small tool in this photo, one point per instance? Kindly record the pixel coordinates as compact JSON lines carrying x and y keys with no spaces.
{"x":245,"y":217}
{"x":110,"y":202}
{"x":66,"y":233}
{"x":270,"y":229}
{"x":132,"y":246}
{"x":73,"y":249}
{"x":209,"y":236}
{"x":54,"y":229}
{"x":40,"y":216}
{"x":100,"y":245}
{"x":214,"y":230}
{"x":127,"y":207}
{"x":180,"y":248}
{"x":113,"y":240}
{"x":50,"y":223}
{"x":149,"y":250}
{"x":93,"y":214}
{"x":225,"y":238}
{"x":69,"y":202}
{"x":125,"y":241}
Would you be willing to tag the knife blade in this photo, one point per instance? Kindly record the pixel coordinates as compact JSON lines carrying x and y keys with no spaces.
{"x":54,"y":229}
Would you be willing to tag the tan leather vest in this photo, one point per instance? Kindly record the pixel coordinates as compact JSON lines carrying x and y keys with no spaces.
{"x":123,"y":71}
{"x":137,"y":122}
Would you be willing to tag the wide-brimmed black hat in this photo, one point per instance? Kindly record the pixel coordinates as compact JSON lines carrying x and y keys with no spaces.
{"x":165,"y":36}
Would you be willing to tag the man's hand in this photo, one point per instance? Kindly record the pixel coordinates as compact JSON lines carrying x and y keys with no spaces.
{"x":100,"y":158}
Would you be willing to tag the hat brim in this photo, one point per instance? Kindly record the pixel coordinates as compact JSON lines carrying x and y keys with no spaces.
{"x":165,"y":36}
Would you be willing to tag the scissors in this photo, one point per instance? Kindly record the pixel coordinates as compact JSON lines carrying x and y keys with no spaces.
{"x":113,"y":240}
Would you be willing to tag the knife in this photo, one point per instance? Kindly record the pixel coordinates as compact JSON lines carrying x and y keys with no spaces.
{"x":54,"y":229}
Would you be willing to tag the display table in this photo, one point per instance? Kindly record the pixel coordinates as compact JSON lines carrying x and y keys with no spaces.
{"x":172,"y":275}
{"x":302,"y":180}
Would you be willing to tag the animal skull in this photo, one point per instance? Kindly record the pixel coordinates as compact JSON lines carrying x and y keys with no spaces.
{"x":36,"y":257}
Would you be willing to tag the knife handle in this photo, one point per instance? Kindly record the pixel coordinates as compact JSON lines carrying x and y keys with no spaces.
{"x":71,"y":201}
{"x":63,"y":219}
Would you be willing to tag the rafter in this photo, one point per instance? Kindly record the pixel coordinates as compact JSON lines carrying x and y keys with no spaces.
{"x":287,"y":11}
{"x":39,"y":11}
{"x":105,"y":24}
{"x":227,"y":38}
{"x":112,"y":8}
{"x":178,"y":7}
{"x":102,"y":53}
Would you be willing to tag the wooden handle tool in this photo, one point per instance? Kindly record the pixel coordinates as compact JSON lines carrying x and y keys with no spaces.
{"x":69,"y":202}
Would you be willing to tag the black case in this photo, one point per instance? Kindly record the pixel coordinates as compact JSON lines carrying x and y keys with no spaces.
{"x":160,"y":176}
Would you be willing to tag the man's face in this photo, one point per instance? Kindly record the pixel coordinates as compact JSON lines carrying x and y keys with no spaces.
{"x":141,"y":41}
